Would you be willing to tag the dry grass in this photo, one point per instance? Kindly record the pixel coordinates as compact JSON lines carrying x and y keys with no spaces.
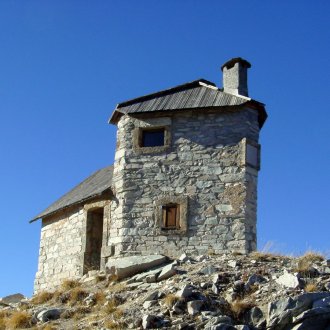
{"x":18,"y":320}
{"x":112,"y":278}
{"x":264,"y":256}
{"x":3,"y":316}
{"x":70,"y":284}
{"x":311,"y":287}
{"x":115,"y":325}
{"x":118,"y":287}
{"x":76,"y":295}
{"x":239,"y":306}
{"x":170,"y":300}
{"x":305,"y":263}
{"x":99,"y":298}
{"x":49,"y":327}
{"x":41,"y":297}
{"x":111,"y":305}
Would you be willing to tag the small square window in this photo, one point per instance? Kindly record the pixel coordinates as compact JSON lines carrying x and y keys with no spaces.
{"x":171,"y":216}
{"x":153,"y":138}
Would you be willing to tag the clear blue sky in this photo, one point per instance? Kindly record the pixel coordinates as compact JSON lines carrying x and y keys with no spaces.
{"x":65,"y":64}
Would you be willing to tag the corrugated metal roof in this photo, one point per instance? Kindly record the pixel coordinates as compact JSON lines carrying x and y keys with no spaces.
{"x":93,"y":186}
{"x":196,"y":94}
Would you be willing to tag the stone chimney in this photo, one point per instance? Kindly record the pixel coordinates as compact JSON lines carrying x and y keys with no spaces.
{"x":235,"y":76}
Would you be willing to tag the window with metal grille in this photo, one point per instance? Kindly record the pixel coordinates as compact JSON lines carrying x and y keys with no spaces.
{"x":171,"y":216}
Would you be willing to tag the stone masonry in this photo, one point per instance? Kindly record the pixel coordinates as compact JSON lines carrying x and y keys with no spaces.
{"x":192,"y":187}
{"x":206,"y":165}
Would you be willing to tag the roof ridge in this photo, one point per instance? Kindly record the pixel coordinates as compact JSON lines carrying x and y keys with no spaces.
{"x":191,"y":84}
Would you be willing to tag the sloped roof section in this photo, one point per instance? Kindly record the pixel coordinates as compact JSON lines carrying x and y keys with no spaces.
{"x":93,"y":186}
{"x":199,"y":93}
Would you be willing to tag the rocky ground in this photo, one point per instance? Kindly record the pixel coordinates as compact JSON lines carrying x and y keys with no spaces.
{"x":258,"y":291}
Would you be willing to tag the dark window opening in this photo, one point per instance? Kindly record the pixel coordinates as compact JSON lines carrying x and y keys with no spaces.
{"x":153,"y":138}
{"x":171,"y":216}
{"x":94,"y":234}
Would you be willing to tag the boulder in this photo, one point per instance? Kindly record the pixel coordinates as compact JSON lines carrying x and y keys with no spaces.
{"x":185,"y":292}
{"x":255,"y":278}
{"x":282,"y":321}
{"x":49,"y":314}
{"x":223,"y":326}
{"x":316,"y":319}
{"x":152,"y":296}
{"x":255,"y":317}
{"x":129,"y":266}
{"x":167,"y":272}
{"x":216,"y":320}
{"x":194,"y":306}
{"x":282,"y":312}
{"x":12,"y":299}
{"x":324,"y":303}
{"x":232,"y":263}
{"x":215,"y":289}
{"x":242,"y":327}
{"x":184,"y":258}
{"x":150,"y":321}
{"x":288,"y":280}
{"x":208,"y":270}
{"x":149,"y":303}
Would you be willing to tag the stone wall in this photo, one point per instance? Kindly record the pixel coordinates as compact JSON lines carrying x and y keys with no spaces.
{"x":205,"y":163}
{"x":63,"y":244}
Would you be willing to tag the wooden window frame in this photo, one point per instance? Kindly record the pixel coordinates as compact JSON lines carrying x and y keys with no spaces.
{"x":138,"y":140}
{"x":171,"y":216}
{"x":163,"y":205}
{"x":151,"y":130}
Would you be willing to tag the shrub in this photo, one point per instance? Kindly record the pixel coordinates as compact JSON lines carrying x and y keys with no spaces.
{"x":18,"y":319}
{"x":41,"y":297}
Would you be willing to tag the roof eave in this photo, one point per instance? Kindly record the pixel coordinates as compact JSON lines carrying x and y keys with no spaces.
{"x":41,"y":216}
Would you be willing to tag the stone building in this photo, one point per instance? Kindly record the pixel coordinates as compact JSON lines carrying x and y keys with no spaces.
{"x":184,"y":179}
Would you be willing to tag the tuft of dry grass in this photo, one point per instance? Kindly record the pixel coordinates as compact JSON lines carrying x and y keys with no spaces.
{"x":118,"y":287}
{"x":305,"y":263}
{"x":114,"y":324}
{"x":77,"y":295}
{"x":69,"y":284}
{"x":99,"y":298}
{"x":111,"y":305}
{"x":112,"y":278}
{"x":18,"y":320}
{"x":49,"y":327}
{"x":264,"y":256}
{"x":239,"y":306}
{"x":3,"y":316}
{"x":41,"y":297}
{"x":311,"y":287}
{"x":170,"y":300}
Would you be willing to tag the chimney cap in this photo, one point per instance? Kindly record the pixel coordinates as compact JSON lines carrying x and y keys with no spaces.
{"x":229,"y":64}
